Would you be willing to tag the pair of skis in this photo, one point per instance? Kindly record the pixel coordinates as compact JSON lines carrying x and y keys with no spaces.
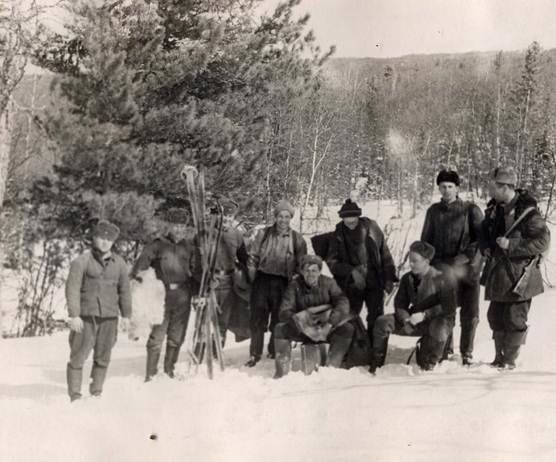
{"x":206,"y":343}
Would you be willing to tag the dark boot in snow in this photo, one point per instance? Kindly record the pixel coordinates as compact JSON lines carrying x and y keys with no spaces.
{"x":378,"y":355}
{"x":74,"y":379}
{"x":283,"y":357}
{"x":449,"y":348}
{"x":152,"y":364}
{"x":512,"y":344}
{"x":252,"y":361}
{"x":498,"y":337}
{"x":170,"y":360}
{"x":467,"y":339}
{"x":98,"y":375}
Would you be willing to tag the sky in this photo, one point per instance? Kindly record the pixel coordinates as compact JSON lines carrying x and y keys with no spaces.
{"x":388,"y":28}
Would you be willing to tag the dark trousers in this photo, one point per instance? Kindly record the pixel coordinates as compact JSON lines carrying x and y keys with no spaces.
{"x":374,"y":301}
{"x":433,"y":333}
{"x":177,"y":308}
{"x":339,"y":339}
{"x":508,"y":317}
{"x":225,"y":298}
{"x":98,"y":335}
{"x":468,"y":300}
{"x":266,"y":295}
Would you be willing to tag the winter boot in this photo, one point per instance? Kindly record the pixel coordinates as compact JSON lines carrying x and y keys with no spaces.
{"x":283,"y":357}
{"x":310,"y":358}
{"x":512,"y":344}
{"x":98,"y":374}
{"x":170,"y":360}
{"x":448,"y":348}
{"x":499,"y":337}
{"x":74,"y":379}
{"x":152,"y":364}
{"x":378,"y":355}
{"x":467,"y":339}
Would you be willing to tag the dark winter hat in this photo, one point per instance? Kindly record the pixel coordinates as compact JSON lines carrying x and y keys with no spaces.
{"x":106,"y":230}
{"x":282,"y":206}
{"x":448,"y":176}
{"x":308,"y":260}
{"x":350,"y":209}
{"x":505,"y":175}
{"x":229,"y":207}
{"x":422,"y":248}
{"x":176,"y":215}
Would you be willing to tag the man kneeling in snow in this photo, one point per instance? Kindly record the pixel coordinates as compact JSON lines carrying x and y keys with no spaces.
{"x":314,"y":309}
{"x":424,"y":306}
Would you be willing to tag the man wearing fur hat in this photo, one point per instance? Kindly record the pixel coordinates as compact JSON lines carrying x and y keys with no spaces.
{"x":176,"y":263}
{"x":414,"y":314}
{"x":514,"y":237}
{"x":326,"y":312}
{"x":360,"y":261}
{"x":274,"y":259}
{"x":452,"y":226}
{"x":97,"y":292}
{"x":231,"y":253}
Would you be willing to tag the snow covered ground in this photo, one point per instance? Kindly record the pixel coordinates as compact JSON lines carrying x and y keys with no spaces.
{"x":452,"y":413}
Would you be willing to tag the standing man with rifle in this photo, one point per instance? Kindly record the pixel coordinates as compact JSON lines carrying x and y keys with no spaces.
{"x":453,"y":226}
{"x":514,"y":236}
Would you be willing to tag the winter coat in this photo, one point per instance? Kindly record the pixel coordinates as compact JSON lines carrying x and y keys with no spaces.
{"x":97,"y":287}
{"x":263,"y":255}
{"x":454,"y":231}
{"x":413,"y":290}
{"x":299,"y":296}
{"x":173,"y":262}
{"x":230,"y":250}
{"x":343,"y":256}
{"x":528,"y":241}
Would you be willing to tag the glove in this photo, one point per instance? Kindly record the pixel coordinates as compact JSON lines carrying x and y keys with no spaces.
{"x":416,"y":318}
{"x":124,"y":324}
{"x":76,"y":324}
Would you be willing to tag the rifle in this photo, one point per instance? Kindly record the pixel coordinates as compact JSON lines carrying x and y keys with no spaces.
{"x":489,"y":265}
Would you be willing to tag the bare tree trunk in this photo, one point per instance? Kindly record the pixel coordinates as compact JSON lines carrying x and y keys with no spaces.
{"x":5,"y":130}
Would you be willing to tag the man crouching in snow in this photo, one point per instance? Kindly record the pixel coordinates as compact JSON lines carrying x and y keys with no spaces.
{"x":424,"y":306}
{"x":97,"y":289}
{"x":314,"y":309}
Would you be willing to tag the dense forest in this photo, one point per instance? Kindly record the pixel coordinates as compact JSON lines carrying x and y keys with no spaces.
{"x":132,"y":91}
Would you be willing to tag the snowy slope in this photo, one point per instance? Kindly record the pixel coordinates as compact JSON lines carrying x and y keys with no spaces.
{"x":452,"y":413}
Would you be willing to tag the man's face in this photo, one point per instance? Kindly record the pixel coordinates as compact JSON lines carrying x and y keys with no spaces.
{"x":499,"y":191}
{"x":448,"y":190}
{"x":283,"y":219}
{"x":311,"y":274}
{"x":418,"y":264}
{"x":228,"y":221}
{"x":102,"y":244}
{"x":351,"y":222}
{"x":178,"y":231}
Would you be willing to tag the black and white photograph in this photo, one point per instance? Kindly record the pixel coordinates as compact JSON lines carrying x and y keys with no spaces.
{"x":277,"y":230}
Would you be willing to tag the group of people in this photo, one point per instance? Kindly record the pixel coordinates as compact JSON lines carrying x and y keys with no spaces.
{"x":459,"y":249}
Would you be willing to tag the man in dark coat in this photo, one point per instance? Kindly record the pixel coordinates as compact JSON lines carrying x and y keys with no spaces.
{"x":325,"y":311}
{"x":176,"y":262}
{"x":274,"y":259}
{"x":512,"y":275}
{"x":230,"y":254}
{"x":97,"y":291}
{"x":414,"y":314}
{"x":360,"y":261}
{"x":453,"y":226}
